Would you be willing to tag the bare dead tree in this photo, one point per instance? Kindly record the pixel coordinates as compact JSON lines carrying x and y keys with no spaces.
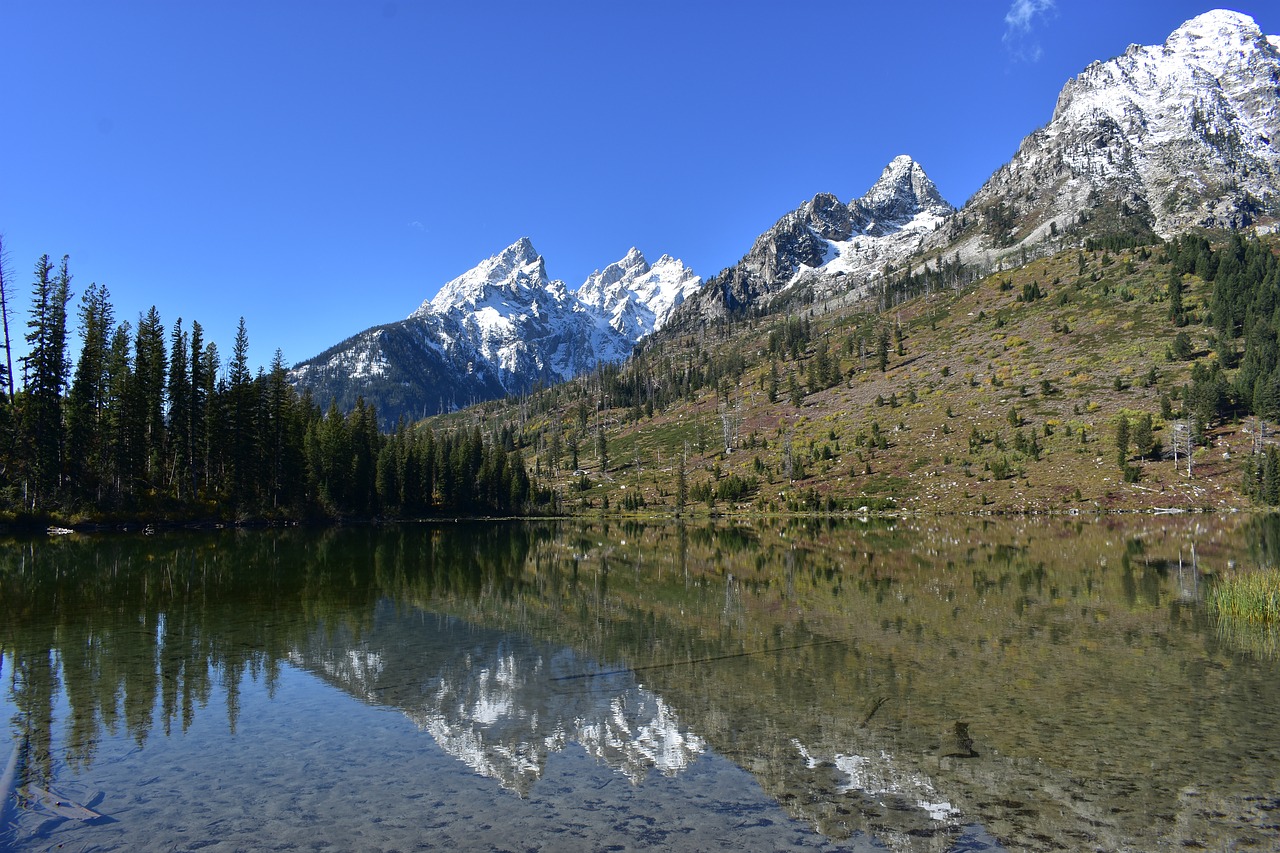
{"x":4,"y":315}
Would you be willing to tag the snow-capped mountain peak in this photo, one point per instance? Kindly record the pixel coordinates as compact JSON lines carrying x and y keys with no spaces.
{"x":1164,"y":137}
{"x":517,"y":268}
{"x":634,"y":298}
{"x":835,"y":247}
{"x":502,"y":327}
{"x":603,"y":285}
{"x":1212,"y":38}
{"x":902,"y":193}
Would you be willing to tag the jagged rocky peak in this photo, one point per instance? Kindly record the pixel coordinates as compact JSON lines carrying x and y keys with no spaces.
{"x":517,"y":267}
{"x":827,"y":216}
{"x":902,"y":193}
{"x":636,"y":298}
{"x":1217,"y":52}
{"x":595,"y":289}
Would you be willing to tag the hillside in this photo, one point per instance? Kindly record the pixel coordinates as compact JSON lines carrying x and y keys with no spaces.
{"x":998,"y":396}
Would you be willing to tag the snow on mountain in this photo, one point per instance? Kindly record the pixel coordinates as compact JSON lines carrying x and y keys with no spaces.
{"x":487,"y":699}
{"x":887,"y":224}
{"x":902,"y":199}
{"x":502,"y":327}
{"x":531,"y":328}
{"x":516,"y":274}
{"x":832,"y":246}
{"x":1161,"y":138}
{"x":636,"y":298}
{"x":516,"y":320}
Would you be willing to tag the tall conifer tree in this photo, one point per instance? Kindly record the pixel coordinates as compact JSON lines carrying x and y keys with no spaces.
{"x":45,"y":369}
{"x":87,"y":435}
{"x":179,"y":430}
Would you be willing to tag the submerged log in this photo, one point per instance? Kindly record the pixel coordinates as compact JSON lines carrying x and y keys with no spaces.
{"x":6,"y":786}
{"x":60,"y":806}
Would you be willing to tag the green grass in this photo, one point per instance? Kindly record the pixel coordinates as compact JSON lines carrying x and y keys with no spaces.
{"x":1254,"y":596}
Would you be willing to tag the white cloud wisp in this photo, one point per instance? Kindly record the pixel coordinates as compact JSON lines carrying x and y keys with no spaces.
{"x":1019,"y":22}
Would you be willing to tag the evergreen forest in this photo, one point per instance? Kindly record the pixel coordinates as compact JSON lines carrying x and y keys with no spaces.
{"x":154,"y":422}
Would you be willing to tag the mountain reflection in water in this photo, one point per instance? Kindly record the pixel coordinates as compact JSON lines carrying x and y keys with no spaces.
{"x":498,"y":701}
{"x":934,"y":685}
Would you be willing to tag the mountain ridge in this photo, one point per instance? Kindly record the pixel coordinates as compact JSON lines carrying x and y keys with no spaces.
{"x":1156,"y":141}
{"x":502,"y":327}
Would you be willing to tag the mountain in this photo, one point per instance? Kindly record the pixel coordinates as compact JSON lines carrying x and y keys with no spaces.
{"x":482,"y":695}
{"x":831,"y":244}
{"x":521,"y":326}
{"x":638,"y":298}
{"x":503,"y":327}
{"x":1159,"y":140}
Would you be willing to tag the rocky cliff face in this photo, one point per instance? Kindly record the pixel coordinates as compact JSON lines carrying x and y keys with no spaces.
{"x":829,"y":245}
{"x":1157,"y":141}
{"x":1164,"y":138}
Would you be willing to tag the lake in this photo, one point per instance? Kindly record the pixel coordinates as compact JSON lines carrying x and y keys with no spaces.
{"x":924,"y":685}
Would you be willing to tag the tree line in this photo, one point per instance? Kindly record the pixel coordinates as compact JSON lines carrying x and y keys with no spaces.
{"x":149,"y":420}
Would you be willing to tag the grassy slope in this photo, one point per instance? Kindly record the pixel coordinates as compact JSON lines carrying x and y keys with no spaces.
{"x":969,"y":358}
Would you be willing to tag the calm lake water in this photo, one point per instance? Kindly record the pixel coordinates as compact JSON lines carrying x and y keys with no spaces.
{"x":939,"y":685}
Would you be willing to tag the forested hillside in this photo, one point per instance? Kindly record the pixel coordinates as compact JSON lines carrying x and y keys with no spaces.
{"x":1052,"y":386}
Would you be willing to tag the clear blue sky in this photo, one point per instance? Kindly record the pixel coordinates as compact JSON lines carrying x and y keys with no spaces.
{"x":320,"y":167}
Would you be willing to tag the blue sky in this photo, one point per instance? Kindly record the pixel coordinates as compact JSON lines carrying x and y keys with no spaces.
{"x":320,"y":167}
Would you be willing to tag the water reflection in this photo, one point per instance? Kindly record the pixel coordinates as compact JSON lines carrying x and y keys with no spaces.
{"x":1057,"y":684}
{"x":499,"y":702}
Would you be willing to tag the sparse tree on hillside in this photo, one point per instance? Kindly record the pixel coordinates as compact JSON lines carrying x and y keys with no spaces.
{"x":1144,"y":435}
{"x":1122,"y":441}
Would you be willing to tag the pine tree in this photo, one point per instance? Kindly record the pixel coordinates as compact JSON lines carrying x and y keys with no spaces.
{"x":1176,"y":312}
{"x":216,"y":422}
{"x":1144,"y":435}
{"x":45,"y":369}
{"x":794,"y":393}
{"x":1122,"y":441}
{"x":150,"y":369}
{"x":87,"y":402}
{"x":7,"y":367}
{"x":179,"y":426}
{"x":283,"y":431}
{"x":119,"y":454}
{"x":198,"y":405}
{"x":330,"y":459}
{"x":364,"y":456}
{"x":682,"y":486}
{"x":241,"y":456}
